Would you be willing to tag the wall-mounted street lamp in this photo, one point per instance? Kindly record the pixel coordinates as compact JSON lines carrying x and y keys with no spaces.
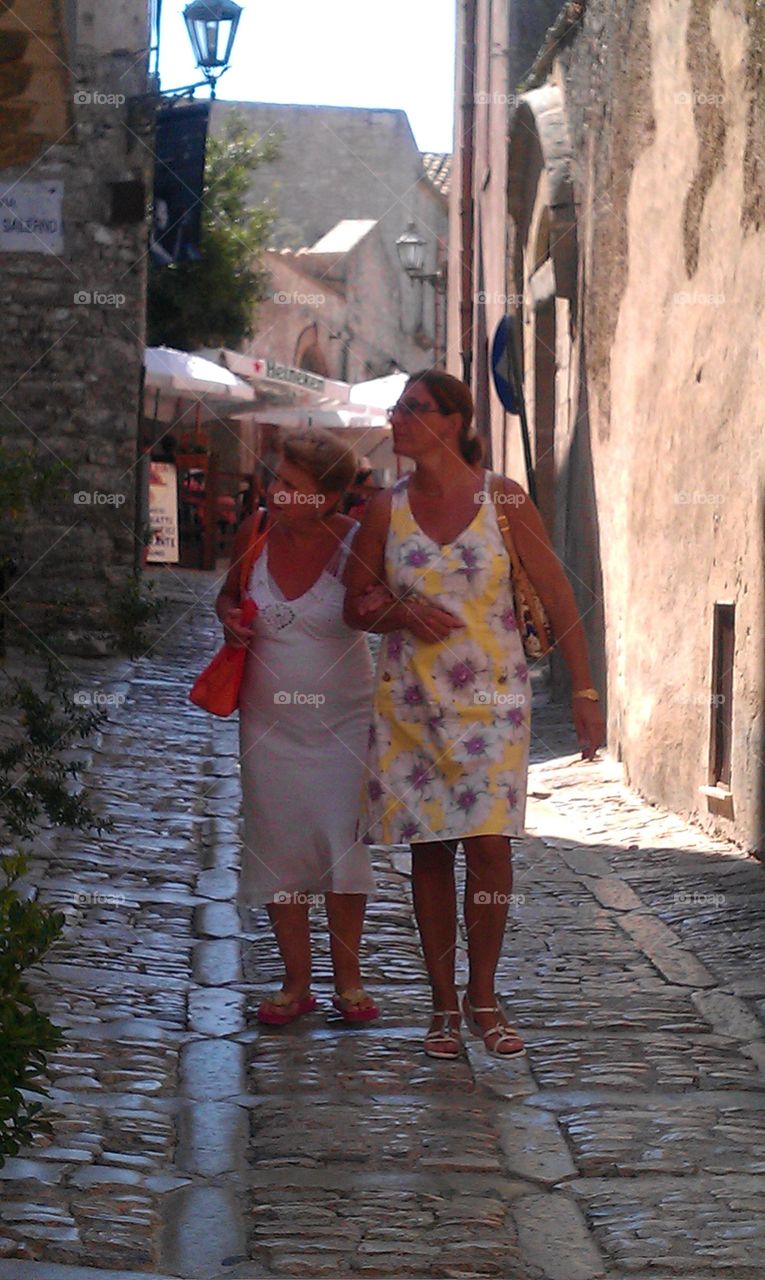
{"x":411,"y":253}
{"x":212,"y":26}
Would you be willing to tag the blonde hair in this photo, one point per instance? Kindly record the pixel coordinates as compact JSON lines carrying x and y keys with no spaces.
{"x":330,"y":464}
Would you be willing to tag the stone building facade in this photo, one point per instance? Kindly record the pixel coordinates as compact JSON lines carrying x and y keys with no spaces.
{"x":619,"y":192}
{"x":74,"y":318}
{"x":345,"y":185}
{"x":333,"y":309}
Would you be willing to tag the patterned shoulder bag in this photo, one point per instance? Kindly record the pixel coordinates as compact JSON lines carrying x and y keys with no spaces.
{"x":530,"y":614}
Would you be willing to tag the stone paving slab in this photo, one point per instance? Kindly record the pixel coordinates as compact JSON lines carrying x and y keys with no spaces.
{"x":687,"y":1225}
{"x":628,"y":1144}
{"x":20,"y":1270}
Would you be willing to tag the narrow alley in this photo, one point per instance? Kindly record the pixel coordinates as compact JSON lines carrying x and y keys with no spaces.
{"x":630,"y":1142}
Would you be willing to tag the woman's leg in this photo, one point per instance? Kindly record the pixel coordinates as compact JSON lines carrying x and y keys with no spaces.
{"x":345,"y":917}
{"x":488,"y":885}
{"x":435,"y":906}
{"x":293,"y":938}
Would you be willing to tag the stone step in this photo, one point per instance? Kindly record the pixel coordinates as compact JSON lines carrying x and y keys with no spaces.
{"x":17,"y":1269}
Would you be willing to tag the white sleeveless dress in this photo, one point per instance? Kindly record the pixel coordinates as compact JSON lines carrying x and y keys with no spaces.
{"x":304,"y":715}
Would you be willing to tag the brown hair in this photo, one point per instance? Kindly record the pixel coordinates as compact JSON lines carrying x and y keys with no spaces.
{"x":330,"y":464}
{"x":453,"y":396}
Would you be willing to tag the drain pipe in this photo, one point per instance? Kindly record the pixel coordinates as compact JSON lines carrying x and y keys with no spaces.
{"x":467,"y":123}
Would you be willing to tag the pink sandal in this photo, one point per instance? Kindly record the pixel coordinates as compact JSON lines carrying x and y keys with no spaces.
{"x":351,"y":1007}
{"x":278,"y":1010}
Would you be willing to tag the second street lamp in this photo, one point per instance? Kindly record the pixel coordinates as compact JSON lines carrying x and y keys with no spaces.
{"x":411,"y":253}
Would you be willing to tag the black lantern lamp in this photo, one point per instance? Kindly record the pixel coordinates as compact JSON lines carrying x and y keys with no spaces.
{"x":212,"y":25}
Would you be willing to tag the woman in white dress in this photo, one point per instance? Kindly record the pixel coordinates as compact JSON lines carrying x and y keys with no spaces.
{"x":303,"y":715}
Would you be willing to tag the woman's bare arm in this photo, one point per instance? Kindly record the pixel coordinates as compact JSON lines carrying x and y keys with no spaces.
{"x":365,"y":580}
{"x":228,"y":602}
{"x":549,"y":577}
{"x":369,"y":603}
{"x":229,"y":594}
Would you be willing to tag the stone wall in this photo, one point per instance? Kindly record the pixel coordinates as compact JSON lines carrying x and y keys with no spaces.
{"x":334,"y":162}
{"x":73,"y":324}
{"x":347,"y":162}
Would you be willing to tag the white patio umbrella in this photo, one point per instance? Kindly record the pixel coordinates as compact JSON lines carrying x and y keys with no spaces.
{"x":379,"y":393}
{"x":173,"y":376}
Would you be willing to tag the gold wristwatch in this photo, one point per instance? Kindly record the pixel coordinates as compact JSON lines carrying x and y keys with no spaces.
{"x":592,"y":695}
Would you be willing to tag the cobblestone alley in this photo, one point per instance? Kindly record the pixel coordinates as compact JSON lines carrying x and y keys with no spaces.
{"x":189,"y":1143}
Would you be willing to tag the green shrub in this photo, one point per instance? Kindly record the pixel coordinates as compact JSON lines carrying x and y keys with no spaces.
{"x":38,"y":785}
{"x":27,"y":929}
{"x":130,"y":608}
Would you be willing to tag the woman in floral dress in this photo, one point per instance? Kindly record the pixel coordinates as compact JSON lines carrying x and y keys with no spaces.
{"x":448,"y":754}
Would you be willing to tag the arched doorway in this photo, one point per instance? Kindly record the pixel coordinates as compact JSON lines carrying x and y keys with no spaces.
{"x":544,"y":269}
{"x":309,"y":354}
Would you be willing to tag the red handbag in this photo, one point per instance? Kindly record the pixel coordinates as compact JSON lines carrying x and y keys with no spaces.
{"x":217,"y":688}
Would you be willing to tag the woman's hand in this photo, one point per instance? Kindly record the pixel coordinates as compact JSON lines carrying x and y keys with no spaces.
{"x":426,"y":621}
{"x":235,"y":631}
{"x":590,"y":726}
{"x":373,"y":599}
{"x":429,"y":622}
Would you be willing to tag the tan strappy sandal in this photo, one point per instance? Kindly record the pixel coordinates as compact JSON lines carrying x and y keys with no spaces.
{"x":443,"y":1041}
{"x":508,"y":1043}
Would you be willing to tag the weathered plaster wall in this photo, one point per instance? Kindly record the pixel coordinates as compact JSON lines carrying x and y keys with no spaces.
{"x":363,"y":312}
{"x":663,"y":126}
{"x":299,"y":305}
{"x":659,"y":477}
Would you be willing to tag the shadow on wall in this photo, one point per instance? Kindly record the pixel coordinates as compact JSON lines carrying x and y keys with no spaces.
{"x":581,"y":539}
{"x":759,"y":752}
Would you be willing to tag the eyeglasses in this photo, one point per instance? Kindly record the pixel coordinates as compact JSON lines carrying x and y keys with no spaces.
{"x":411,"y":408}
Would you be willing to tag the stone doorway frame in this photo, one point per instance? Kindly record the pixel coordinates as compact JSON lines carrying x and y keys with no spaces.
{"x":541,"y":204}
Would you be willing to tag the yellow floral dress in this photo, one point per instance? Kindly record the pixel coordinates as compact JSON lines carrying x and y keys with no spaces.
{"x":449,"y":739}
